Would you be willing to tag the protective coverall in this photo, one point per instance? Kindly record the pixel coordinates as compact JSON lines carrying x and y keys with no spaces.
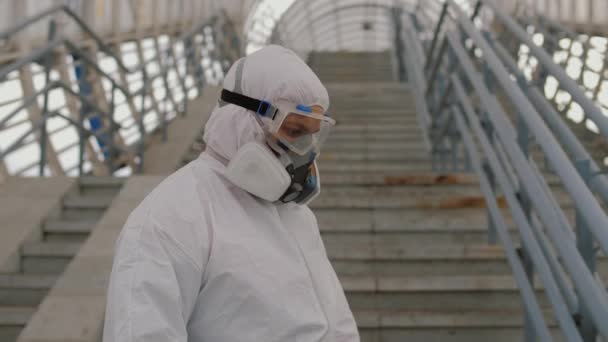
{"x":202,"y":260}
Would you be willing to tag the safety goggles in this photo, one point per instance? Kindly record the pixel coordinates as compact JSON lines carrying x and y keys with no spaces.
{"x":299,"y":127}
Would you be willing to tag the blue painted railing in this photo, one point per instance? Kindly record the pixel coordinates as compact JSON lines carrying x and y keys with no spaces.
{"x":97,"y":119}
{"x":481,"y":113}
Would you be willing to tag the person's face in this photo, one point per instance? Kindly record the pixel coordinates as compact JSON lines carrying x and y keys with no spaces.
{"x":295,"y":126}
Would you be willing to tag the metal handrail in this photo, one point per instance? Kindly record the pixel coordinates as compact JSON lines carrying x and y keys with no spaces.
{"x":70,"y":13}
{"x":170,"y":61}
{"x":463,"y":88}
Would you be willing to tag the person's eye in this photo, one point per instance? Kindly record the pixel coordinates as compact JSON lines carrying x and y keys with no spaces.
{"x":295,"y":132}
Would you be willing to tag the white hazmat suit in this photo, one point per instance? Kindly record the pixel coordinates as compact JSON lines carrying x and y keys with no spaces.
{"x":202,"y":260}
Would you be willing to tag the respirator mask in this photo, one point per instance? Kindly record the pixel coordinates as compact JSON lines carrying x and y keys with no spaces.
{"x":282,"y":168}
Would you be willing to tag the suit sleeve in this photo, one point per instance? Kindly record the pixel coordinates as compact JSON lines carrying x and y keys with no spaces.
{"x":153,"y":288}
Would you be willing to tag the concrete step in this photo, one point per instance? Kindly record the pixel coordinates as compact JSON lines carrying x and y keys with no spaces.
{"x":85,"y":207}
{"x":12,"y":321}
{"x":396,"y":178}
{"x":402,"y":242}
{"x":454,"y":197}
{"x":360,"y":79}
{"x":420,"y":267}
{"x":390,"y":136}
{"x":47,"y":257}
{"x":376,"y":179}
{"x":437,"y":260}
{"x":99,"y":186}
{"x":68,"y":227}
{"x":88,"y":202}
{"x":378,"y":105}
{"x":389,"y":98}
{"x":375,"y":128}
{"x":354,"y":114}
{"x":436,"y":292}
{"x":406,"y":135}
{"x":365,"y":166}
{"x":24,"y":289}
{"x":399,"y":148}
{"x":338,"y":90}
{"x":355,"y":74}
{"x":440,"y":325}
{"x":380,"y":220}
{"x":379,"y":156}
{"x":386,"y":120}
{"x":99,"y":181}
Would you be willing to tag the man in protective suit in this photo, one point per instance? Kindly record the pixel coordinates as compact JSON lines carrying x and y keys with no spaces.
{"x":225,"y":249}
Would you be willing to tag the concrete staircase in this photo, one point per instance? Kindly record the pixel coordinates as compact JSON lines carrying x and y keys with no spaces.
{"x":408,"y":245}
{"x":352,"y":67}
{"x":45,"y":255}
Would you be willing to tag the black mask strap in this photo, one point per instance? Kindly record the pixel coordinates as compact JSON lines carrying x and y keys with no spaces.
{"x":260,"y":107}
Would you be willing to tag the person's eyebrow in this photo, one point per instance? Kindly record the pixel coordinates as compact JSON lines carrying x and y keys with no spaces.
{"x":301,"y":126}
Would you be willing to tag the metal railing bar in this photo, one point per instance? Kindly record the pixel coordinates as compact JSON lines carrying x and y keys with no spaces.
{"x":83,"y":99}
{"x":10,"y":102}
{"x":26,"y":103}
{"x":27,"y":167}
{"x":185,"y":65}
{"x":527,"y":292}
{"x":583,"y":198}
{"x":5,"y":35}
{"x":442,"y":18}
{"x":546,"y":35}
{"x":83,"y":57}
{"x":532,"y":246}
{"x":417,"y":78}
{"x":60,"y":129}
{"x":566,"y":83}
{"x":15,"y":124}
{"x":570,"y":142}
{"x":556,"y":268}
{"x":33,"y":56}
{"x":19,"y":141}
{"x":70,"y":169}
{"x":65,"y":9}
{"x":67,"y":147}
{"x":593,"y":296}
{"x":571,"y":34}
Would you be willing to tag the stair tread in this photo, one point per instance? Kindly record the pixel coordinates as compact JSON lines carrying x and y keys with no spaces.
{"x":407,"y":253}
{"x":29,"y":281}
{"x":50,"y":249}
{"x":417,"y":319}
{"x":69,"y":226}
{"x":11,"y":316}
{"x":87,"y":202}
{"x":97,"y":181}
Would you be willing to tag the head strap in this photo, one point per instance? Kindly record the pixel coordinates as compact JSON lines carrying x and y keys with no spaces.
{"x":261,"y":107}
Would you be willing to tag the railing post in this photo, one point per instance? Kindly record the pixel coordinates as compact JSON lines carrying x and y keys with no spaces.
{"x":188,"y":52}
{"x":429,"y":55}
{"x":523,"y":139}
{"x":396,"y":13}
{"x":193,"y":58}
{"x":82,"y":137}
{"x":166,"y":99}
{"x":110,"y":143}
{"x":142,"y":129}
{"x":454,"y":143}
{"x":48,"y":64}
{"x":584,"y":243}
{"x":182,"y":80}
